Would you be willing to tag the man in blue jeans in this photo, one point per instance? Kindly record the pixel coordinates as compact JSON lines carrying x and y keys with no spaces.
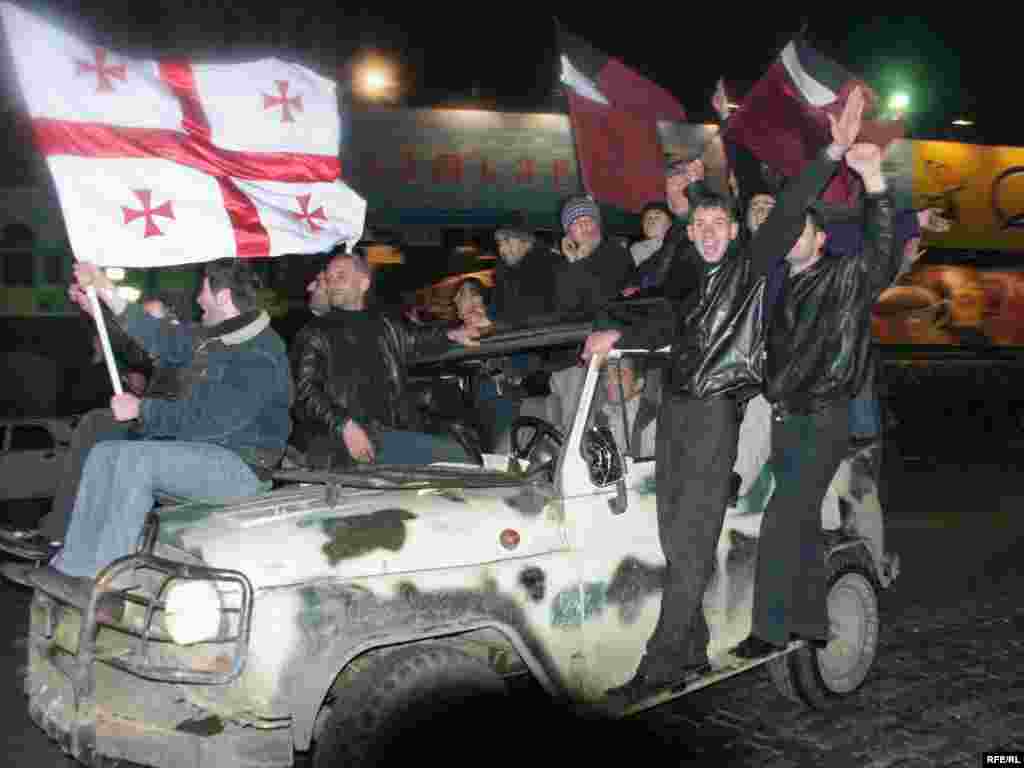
{"x":219,"y":440}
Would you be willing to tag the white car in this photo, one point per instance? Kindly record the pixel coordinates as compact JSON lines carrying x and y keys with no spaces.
{"x":31,"y":455}
{"x":330,"y":613}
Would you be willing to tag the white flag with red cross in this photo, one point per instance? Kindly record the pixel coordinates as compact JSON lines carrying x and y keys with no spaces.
{"x":174,"y":162}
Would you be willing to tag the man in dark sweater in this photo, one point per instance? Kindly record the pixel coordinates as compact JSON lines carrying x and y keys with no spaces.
{"x":350,"y":368}
{"x":595,"y":266}
{"x":716,"y":342}
{"x":523,"y":277}
{"x":593,"y":273}
{"x":818,"y":357}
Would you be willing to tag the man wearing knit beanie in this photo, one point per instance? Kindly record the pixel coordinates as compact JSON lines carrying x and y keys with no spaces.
{"x":593,"y":272}
{"x":595,"y":266}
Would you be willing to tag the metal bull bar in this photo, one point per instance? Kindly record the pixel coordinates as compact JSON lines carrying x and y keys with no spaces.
{"x":54,"y":592}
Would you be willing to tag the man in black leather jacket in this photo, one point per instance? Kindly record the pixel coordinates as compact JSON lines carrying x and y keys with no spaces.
{"x":350,"y":369}
{"x":818,"y":357}
{"x":715,"y":366}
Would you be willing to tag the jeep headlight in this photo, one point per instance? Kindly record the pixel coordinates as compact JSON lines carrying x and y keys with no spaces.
{"x":192,"y":612}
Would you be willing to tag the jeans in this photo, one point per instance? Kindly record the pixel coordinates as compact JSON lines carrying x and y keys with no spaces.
{"x":94,"y":427}
{"x":117,"y":492}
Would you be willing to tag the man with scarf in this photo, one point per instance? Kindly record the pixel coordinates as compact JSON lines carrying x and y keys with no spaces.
{"x":219,"y":440}
{"x":714,"y":368}
{"x":818,"y":348}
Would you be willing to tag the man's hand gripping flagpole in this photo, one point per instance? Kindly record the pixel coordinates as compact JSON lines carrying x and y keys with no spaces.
{"x":83,"y":293}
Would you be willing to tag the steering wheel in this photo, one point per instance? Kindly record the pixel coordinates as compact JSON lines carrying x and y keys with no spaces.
{"x":541,"y":429}
{"x":467,"y":438}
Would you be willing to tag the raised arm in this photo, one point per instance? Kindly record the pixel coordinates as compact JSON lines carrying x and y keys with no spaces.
{"x":784,"y":224}
{"x":880,"y":255}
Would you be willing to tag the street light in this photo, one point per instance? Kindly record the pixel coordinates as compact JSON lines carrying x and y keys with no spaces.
{"x":962,"y":123}
{"x":899,"y":102}
{"x":375,"y":78}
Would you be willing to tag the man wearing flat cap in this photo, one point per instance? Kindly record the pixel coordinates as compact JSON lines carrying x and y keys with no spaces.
{"x":524,"y":275}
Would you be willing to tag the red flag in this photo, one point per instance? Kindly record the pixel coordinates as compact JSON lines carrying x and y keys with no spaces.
{"x":783,"y":120}
{"x":614,"y":113}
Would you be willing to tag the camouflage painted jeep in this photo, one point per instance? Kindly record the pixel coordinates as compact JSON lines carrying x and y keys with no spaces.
{"x":329,"y":614}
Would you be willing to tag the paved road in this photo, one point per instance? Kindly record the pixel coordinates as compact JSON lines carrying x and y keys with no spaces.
{"x":947,"y":685}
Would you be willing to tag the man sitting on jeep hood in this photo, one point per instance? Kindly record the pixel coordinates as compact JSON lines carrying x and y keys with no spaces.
{"x":215,"y":442}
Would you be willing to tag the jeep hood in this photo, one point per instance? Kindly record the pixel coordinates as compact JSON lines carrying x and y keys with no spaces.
{"x":330,"y":531}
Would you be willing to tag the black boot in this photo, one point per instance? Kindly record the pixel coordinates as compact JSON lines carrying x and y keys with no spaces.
{"x":644,"y":683}
{"x":754,"y":648}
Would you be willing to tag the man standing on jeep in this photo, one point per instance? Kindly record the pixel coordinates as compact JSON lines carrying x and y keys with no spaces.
{"x":716,"y":340}
{"x":351,"y":400}
{"x":818,"y":357}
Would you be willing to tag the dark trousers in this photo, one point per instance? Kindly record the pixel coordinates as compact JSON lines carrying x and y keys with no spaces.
{"x":789,"y":587}
{"x":696,"y":451}
{"x":94,"y":427}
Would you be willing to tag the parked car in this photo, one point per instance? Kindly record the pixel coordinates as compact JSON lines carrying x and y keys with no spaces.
{"x":31,"y":452}
{"x":329,"y":613}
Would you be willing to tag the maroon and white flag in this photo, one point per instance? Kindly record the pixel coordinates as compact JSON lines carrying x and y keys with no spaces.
{"x":174,"y":162}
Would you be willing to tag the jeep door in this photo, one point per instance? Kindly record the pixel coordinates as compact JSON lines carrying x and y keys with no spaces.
{"x":611,"y":516}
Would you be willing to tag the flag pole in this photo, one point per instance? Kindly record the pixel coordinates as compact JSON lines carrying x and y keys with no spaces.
{"x":101,"y":327}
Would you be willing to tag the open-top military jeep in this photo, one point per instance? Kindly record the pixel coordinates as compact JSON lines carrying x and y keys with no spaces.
{"x":329,"y":613}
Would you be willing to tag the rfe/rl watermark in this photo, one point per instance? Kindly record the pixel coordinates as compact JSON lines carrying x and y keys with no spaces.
{"x":1003,"y":758}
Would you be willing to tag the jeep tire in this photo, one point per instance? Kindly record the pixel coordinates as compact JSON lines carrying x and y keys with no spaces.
{"x":821,"y":678}
{"x":411,"y":702}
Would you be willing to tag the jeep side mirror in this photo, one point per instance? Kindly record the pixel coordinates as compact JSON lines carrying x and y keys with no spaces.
{"x":604,"y":462}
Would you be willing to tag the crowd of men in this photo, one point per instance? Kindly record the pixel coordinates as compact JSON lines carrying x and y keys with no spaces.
{"x":762,"y":308}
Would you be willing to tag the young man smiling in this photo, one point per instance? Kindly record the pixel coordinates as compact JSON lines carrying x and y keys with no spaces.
{"x":716,"y":339}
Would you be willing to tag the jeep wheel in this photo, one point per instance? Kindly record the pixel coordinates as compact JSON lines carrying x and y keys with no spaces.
{"x":425,"y":700}
{"x":820,"y":678}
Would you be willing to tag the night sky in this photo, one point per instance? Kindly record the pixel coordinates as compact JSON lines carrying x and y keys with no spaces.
{"x":505,"y":57}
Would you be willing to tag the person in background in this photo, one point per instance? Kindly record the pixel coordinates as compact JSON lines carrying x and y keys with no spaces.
{"x":146,"y":378}
{"x":656,"y":220}
{"x":667,"y":272}
{"x":523,"y":276}
{"x":592,"y":274}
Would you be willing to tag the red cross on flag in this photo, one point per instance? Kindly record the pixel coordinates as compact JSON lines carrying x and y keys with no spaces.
{"x":173,"y":162}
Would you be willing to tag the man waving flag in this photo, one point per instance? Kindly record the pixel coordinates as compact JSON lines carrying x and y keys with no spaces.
{"x":614,"y":113}
{"x":173,"y":162}
{"x":784,"y":119}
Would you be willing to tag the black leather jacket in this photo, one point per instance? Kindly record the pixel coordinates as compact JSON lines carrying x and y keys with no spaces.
{"x":819,"y":342}
{"x":323,"y":390}
{"x":717,"y":335}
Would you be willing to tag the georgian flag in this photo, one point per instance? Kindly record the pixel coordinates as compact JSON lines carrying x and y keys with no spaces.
{"x":170,"y":162}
